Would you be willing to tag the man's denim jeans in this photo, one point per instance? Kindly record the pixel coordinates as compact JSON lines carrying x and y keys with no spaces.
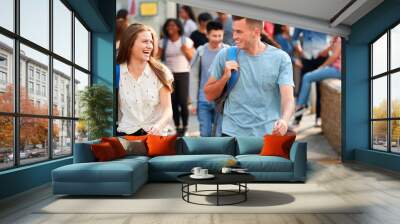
{"x":206,"y":115}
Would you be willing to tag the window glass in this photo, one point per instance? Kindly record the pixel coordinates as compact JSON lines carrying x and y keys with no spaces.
{"x":31,"y":58}
{"x":35,"y":21}
{"x":81,"y":45}
{"x":62,"y":138}
{"x":379,"y":98}
{"x":62,"y":91}
{"x":395,"y":47}
{"x":379,"y":135}
{"x":34,"y":144}
{"x":379,"y":56}
{"x":7,"y":14}
{"x":6,"y":74}
{"x":62,"y":29}
{"x":6,"y":142}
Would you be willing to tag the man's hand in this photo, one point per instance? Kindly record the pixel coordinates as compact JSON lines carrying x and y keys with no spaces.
{"x":280,"y":127}
{"x":229,"y":66}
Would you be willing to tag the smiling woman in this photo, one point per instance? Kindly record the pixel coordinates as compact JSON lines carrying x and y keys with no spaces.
{"x":145,"y":85}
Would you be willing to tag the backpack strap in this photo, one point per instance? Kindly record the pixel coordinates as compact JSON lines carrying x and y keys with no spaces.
{"x":117,"y":76}
{"x":232,"y":55}
{"x":164,"y":48}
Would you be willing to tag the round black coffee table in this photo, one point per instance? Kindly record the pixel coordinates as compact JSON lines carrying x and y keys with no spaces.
{"x":238,"y":179}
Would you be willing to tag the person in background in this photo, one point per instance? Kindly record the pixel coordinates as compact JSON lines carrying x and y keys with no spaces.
{"x":313,"y":50}
{"x":268,"y":40}
{"x":269,"y":29}
{"x":283,"y":38}
{"x":176,"y":51}
{"x":122,"y":14}
{"x":262,"y":101}
{"x":200,"y":65}
{"x":187,"y":16}
{"x":226,"y":21}
{"x":121,"y":26}
{"x":331,"y":68}
{"x":145,"y":85}
{"x":199,"y":36}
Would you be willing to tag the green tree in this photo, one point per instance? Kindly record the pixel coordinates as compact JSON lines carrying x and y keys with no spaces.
{"x":96,"y":102}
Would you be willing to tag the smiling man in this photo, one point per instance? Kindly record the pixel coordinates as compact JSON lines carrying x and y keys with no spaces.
{"x":262,"y":100}
{"x":201,"y":63}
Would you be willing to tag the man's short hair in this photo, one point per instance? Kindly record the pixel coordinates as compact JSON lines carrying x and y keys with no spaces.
{"x":254,"y":23}
{"x":204,"y":17}
{"x":214,"y":25}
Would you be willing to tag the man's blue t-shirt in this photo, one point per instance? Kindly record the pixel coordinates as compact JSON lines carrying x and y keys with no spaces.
{"x":254,"y":104}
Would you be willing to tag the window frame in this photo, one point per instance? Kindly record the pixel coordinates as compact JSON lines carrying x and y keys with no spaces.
{"x":16,"y":114}
{"x":388,"y":74}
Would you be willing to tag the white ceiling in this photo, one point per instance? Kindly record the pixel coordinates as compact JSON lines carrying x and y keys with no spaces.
{"x":319,"y":15}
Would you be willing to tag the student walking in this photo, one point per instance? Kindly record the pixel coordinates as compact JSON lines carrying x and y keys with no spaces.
{"x":176,"y":51}
{"x":261,"y":102}
{"x":201,"y":63}
{"x":187,"y":16}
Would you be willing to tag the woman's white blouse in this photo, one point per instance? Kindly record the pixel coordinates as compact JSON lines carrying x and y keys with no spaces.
{"x":139,"y":100}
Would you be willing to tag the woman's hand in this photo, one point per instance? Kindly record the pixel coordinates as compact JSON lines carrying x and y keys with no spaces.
{"x":155,"y":130}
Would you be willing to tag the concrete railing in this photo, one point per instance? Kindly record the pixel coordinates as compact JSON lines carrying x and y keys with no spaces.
{"x":331,"y":112}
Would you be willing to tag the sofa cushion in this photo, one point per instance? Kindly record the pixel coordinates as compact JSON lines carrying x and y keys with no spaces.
{"x":116,"y":145}
{"x":249,"y":145}
{"x":103,"y":152}
{"x":206,"y":145}
{"x":134,"y":147}
{"x":278,"y":145}
{"x":112,"y":171}
{"x":257,"y":163}
{"x":185,"y":163}
{"x":161,"y":145}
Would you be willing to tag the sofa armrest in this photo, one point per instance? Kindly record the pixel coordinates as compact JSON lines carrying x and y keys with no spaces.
{"x":298,"y":155}
{"x":83,"y":152}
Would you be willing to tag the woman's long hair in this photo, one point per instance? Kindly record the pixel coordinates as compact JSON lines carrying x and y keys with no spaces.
{"x":189,"y":11}
{"x":128,"y":39}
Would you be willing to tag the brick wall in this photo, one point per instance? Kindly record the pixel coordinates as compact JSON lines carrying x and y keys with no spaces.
{"x":331,"y":112}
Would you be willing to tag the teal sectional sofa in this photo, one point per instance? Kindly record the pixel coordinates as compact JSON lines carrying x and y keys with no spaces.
{"x":125,"y":176}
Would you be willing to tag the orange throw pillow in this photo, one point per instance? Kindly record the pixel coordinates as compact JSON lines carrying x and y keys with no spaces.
{"x":103,"y":152}
{"x":161,"y":145}
{"x":134,"y":138}
{"x":116,"y":145}
{"x":275,"y":145}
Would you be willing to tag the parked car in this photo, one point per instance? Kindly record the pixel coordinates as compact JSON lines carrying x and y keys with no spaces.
{"x":22,"y":155}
